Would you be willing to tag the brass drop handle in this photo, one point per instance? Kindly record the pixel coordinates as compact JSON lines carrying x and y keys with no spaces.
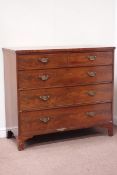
{"x":91,"y":114}
{"x":91,"y":74}
{"x":44,"y":77}
{"x":44,"y":97}
{"x":91,"y":93}
{"x":43,"y":60}
{"x":44,"y":119}
{"x":92,"y":58}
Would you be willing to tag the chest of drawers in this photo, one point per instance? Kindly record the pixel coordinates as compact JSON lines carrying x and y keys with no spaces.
{"x":55,"y":90}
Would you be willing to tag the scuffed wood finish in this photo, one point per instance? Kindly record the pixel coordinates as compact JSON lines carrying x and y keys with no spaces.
{"x":67,"y":118}
{"x":67,"y":96}
{"x":36,"y":61}
{"x":64,"y":77}
{"x":51,"y":90}
{"x":28,"y":62}
{"x":82,"y":59}
{"x":56,"y":49}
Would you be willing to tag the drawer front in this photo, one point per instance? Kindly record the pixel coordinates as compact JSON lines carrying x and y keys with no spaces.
{"x":41,"y":61}
{"x":90,"y":58}
{"x":64,"y":77}
{"x":64,"y":119}
{"x":60,"y":97}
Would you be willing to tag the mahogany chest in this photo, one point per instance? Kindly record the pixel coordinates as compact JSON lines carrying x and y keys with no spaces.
{"x":55,"y":90}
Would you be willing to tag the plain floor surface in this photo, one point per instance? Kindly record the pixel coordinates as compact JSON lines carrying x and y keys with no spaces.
{"x":85,"y":152}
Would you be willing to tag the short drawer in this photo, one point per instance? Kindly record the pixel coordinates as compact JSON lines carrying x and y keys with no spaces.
{"x":55,"y":120}
{"x":64,"y":77}
{"x":60,"y":97}
{"x":90,"y":58}
{"x":41,"y":61}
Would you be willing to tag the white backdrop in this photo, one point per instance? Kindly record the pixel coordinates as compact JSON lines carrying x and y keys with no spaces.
{"x":53,"y":22}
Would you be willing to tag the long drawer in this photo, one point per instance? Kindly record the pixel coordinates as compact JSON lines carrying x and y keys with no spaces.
{"x":64,"y":77}
{"x":54,"y":120}
{"x":60,"y":97}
